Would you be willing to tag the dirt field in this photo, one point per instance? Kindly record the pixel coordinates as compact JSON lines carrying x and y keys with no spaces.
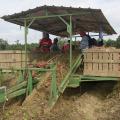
{"x":90,"y":101}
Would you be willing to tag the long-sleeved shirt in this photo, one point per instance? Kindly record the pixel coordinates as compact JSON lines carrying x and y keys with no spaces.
{"x":45,"y":44}
{"x":84,"y":42}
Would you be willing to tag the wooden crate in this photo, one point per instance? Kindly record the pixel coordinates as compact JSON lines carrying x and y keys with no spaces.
{"x":12,"y":59}
{"x":102,"y":62}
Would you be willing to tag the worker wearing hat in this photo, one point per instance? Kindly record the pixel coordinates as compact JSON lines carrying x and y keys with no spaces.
{"x":55,"y":47}
{"x":84,"y":44}
{"x":45,"y":43}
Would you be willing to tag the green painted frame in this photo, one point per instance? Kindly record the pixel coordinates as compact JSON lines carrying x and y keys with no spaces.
{"x":25,"y":84}
{"x":67,"y":81}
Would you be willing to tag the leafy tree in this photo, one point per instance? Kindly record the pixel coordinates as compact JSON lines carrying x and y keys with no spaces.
{"x":22,"y":47}
{"x":110,"y":43}
{"x":118,"y":42}
{"x":3,"y":44}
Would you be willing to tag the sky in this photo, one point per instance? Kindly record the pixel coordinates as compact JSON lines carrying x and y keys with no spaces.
{"x":12,"y":32}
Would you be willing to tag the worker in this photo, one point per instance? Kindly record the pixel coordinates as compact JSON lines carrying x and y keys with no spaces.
{"x":100,"y":42}
{"x":87,"y":41}
{"x":84,"y":44}
{"x":55,"y":47}
{"x":94,"y":42}
{"x":66,"y":47}
{"x":45,"y":43}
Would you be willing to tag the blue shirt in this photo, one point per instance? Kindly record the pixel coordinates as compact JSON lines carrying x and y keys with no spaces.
{"x":84,"y":43}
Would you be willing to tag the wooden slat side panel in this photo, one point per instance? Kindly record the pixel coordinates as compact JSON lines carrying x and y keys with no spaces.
{"x":102,"y":62}
{"x":12,"y":59}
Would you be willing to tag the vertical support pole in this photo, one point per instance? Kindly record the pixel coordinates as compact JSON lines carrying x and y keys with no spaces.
{"x":30,"y":83}
{"x":54,"y":90}
{"x":26,"y":32}
{"x":100,"y":33}
{"x":100,"y":37}
{"x":75,"y":42}
{"x":21,"y":59}
{"x":1,"y":77}
{"x":21,"y":76}
{"x":70,"y":32}
{"x":2,"y":94}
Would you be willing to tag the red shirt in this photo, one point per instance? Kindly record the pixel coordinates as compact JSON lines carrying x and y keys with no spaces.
{"x":45,"y":44}
{"x":65,"y":48}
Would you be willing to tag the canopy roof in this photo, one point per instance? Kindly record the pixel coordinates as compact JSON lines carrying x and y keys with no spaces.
{"x":83,"y":19}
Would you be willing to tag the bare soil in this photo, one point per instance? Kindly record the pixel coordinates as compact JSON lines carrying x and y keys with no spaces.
{"x":90,"y":101}
{"x":96,"y":101}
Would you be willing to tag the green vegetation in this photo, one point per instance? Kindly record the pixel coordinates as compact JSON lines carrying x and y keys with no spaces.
{"x":118,"y":42}
{"x":109,"y":43}
{"x":5,"y":46}
{"x":112,"y":43}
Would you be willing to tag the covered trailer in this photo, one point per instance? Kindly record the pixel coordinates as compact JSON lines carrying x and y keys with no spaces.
{"x":64,"y":22}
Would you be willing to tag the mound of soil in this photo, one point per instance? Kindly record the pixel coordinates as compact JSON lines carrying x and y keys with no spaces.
{"x":90,"y":101}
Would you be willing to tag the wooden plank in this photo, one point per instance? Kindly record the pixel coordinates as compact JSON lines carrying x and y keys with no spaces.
{"x":102,"y":62}
{"x":12,"y":59}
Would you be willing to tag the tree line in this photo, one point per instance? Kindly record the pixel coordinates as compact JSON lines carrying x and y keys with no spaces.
{"x":113,"y":43}
{"x":5,"y":46}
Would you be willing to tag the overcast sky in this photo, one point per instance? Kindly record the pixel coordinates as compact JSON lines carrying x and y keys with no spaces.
{"x":12,"y":32}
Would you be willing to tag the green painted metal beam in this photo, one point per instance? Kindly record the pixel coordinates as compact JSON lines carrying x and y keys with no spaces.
{"x":1,"y":77}
{"x":26,"y":86}
{"x":65,"y":82}
{"x":2,"y":94}
{"x":16,"y":93}
{"x":63,"y":20}
{"x":75,"y":79}
{"x":69,"y":29}
{"x":29,"y":83}
{"x":21,"y":76}
{"x":32,"y":69}
{"x":50,"y":16}
{"x":67,"y":77}
{"x":26,"y":32}
{"x":78,"y":64}
{"x":98,"y":78}
{"x":31,"y":23}
{"x":74,"y":82}
{"x":41,"y":69}
{"x":17,"y":87}
{"x":53,"y":89}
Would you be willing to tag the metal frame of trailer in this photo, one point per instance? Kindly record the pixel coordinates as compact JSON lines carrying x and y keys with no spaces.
{"x":25,"y":85}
